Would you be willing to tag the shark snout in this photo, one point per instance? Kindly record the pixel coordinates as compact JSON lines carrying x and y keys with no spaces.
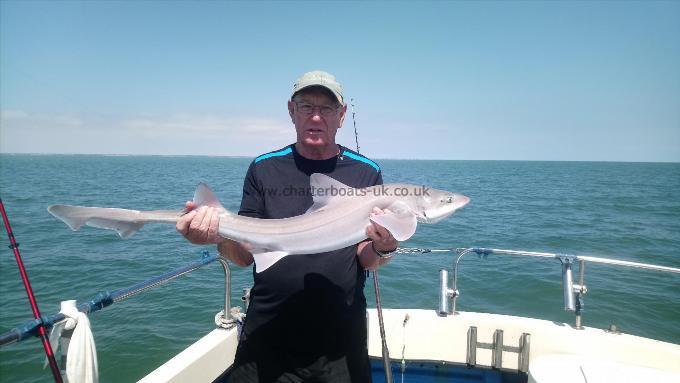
{"x":442,"y":206}
{"x":459,"y":200}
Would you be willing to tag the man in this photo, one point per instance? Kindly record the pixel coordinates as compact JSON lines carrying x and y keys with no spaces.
{"x":306,"y":320}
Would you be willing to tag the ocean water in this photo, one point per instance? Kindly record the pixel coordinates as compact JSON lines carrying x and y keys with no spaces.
{"x":628,"y":211}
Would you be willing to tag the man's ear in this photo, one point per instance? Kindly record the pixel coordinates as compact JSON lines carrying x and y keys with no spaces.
{"x":342,"y":115}
{"x":291,"y":110}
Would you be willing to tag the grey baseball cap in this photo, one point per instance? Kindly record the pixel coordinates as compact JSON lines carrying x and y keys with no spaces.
{"x":319,"y":78}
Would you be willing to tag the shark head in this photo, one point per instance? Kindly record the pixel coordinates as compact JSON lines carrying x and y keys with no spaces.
{"x":434,"y":205}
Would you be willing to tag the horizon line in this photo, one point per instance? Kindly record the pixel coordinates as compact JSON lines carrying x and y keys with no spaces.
{"x":376,"y":158}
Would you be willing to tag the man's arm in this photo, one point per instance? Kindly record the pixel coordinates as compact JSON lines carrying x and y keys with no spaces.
{"x":236,"y":252}
{"x":369,"y":259}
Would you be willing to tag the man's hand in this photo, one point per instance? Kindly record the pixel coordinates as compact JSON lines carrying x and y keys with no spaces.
{"x":383,"y":241}
{"x":200,"y":226}
{"x":381,"y":237}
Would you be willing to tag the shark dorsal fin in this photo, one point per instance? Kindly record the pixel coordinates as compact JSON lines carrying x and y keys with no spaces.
{"x":325,"y":190}
{"x":205,"y":197}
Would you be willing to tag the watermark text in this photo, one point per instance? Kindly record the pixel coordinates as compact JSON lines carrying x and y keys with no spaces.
{"x":333,"y":191}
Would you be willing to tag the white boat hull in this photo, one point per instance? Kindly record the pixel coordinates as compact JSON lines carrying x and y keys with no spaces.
{"x":558,"y":352}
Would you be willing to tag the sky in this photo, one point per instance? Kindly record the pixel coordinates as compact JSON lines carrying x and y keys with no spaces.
{"x":557,"y":81}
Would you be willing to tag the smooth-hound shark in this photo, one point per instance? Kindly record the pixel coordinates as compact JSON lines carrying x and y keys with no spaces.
{"x":338,"y":218}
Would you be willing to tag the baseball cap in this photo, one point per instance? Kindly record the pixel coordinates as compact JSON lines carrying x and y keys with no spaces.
{"x":319,"y":78}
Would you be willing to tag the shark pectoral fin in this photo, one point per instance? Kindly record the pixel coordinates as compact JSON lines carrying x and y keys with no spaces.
{"x":265,"y":259}
{"x":401,"y":225}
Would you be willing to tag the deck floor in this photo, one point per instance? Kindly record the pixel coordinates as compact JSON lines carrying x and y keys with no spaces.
{"x":430,"y":372}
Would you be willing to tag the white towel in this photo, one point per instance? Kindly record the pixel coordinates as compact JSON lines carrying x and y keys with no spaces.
{"x":81,"y":356}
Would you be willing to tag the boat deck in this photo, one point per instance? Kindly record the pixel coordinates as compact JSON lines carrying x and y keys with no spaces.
{"x":438,"y":349}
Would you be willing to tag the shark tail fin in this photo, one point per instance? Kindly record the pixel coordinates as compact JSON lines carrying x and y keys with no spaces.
{"x":124,"y":222}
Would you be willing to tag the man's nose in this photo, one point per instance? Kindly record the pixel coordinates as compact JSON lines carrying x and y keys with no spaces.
{"x":316,"y":117}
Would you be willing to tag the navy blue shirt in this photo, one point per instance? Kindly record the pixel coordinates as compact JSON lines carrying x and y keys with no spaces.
{"x":307,"y":305}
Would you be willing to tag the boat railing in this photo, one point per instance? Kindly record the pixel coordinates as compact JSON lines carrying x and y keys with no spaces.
{"x":573,"y":291}
{"x":106,"y":298}
{"x":448,"y":294}
{"x":448,"y":290}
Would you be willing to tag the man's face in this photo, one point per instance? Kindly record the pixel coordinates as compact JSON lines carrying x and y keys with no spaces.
{"x":316,"y":127}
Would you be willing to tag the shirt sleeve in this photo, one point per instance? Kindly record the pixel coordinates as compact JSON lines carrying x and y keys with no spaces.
{"x":252,"y":202}
{"x":378,"y":178}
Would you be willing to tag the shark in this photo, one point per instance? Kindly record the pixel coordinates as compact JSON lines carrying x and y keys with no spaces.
{"x":337,"y":218}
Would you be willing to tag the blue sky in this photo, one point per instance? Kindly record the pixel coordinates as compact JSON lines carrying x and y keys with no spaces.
{"x":443,"y":80}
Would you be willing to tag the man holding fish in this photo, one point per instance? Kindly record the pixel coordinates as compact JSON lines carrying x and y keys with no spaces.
{"x":306,"y":320}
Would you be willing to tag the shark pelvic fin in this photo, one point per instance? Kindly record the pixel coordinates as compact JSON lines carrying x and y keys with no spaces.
{"x":399,"y":221}
{"x":325,"y":190}
{"x":205,"y":197}
{"x":265,"y":259}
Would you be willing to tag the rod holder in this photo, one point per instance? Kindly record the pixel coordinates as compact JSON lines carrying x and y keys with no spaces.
{"x":447,"y":296}
{"x":568,"y":285}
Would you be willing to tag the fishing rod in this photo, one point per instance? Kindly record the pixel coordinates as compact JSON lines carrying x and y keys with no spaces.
{"x":378,"y":305}
{"x":31,"y":297}
{"x":354,"y":122}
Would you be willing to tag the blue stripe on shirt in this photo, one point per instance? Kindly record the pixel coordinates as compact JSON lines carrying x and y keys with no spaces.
{"x":280,"y":153}
{"x":362,"y":159}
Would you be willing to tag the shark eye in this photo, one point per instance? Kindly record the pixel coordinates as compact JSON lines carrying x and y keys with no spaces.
{"x":447,"y":200}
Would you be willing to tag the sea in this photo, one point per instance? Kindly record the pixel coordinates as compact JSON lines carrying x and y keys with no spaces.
{"x":624,"y":211}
